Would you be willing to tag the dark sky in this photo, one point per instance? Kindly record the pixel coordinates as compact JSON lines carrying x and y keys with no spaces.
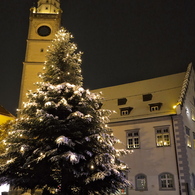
{"x":123,"y":40}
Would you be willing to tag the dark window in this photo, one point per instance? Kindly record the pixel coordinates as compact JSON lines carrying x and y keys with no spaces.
{"x":141,"y":182}
{"x":166,"y":181}
{"x":122,"y":101}
{"x":147,"y":97}
{"x":193,"y":181}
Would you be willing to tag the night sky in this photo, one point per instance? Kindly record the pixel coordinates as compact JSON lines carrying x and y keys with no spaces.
{"x":123,"y":40}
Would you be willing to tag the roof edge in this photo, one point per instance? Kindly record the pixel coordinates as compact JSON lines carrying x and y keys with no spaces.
{"x":185,"y":85}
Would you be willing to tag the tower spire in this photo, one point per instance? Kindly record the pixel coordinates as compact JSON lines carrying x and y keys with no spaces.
{"x":48,"y":6}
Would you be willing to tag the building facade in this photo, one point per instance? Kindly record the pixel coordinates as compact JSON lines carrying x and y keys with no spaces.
{"x":155,"y":119}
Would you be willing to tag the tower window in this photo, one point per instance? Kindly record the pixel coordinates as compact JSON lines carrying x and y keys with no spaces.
{"x":46,"y":7}
{"x":125,"y":111}
{"x":41,"y":50}
{"x":155,"y":107}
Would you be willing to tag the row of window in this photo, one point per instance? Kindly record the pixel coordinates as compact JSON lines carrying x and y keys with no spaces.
{"x":162,"y":137}
{"x":145,"y":97}
{"x":166,"y":182}
{"x":127,"y":110}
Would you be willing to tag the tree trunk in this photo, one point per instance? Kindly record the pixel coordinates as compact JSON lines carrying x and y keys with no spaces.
{"x":64,"y":183}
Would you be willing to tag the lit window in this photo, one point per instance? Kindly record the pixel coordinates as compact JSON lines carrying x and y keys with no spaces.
{"x":125,"y":111}
{"x":188,"y":140}
{"x":132,"y":139}
{"x":155,"y":107}
{"x":141,"y":182}
{"x":166,"y":181}
{"x":162,"y":136}
{"x":194,"y":139}
{"x":193,"y":114}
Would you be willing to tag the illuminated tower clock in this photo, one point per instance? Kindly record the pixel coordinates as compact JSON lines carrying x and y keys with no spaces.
{"x":45,"y":20}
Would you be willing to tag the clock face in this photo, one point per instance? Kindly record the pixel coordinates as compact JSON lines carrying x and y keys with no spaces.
{"x":44,"y":31}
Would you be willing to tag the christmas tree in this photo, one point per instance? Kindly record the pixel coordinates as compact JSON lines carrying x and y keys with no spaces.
{"x":61,"y":138}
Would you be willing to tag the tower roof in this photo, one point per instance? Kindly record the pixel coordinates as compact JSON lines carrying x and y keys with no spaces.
{"x":4,"y":112}
{"x":48,"y":6}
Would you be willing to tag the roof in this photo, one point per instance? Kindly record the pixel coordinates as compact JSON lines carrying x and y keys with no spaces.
{"x":185,"y":84}
{"x":4,"y":112}
{"x":164,"y":91}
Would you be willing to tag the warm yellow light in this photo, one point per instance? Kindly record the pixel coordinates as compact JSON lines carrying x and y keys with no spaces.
{"x":174,"y":106}
{"x":22,"y":149}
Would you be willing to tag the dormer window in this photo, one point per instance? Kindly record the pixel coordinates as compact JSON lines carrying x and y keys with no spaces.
{"x":122,"y":101}
{"x":147,"y":97}
{"x":155,"y":106}
{"x":125,"y":111}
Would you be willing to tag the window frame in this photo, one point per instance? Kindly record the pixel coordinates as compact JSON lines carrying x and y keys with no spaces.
{"x":193,"y":114}
{"x":188,"y":137}
{"x":125,"y":111}
{"x":136,"y":182}
{"x":155,"y":106}
{"x":193,"y":134}
{"x":134,"y":138}
{"x":164,"y":136}
{"x":166,"y":181}
{"x":193,"y":181}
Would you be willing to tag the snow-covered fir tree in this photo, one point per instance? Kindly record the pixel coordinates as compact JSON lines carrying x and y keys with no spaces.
{"x":61,"y":137}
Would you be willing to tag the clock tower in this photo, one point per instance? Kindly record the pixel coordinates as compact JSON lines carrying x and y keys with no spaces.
{"x":45,"y":20}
